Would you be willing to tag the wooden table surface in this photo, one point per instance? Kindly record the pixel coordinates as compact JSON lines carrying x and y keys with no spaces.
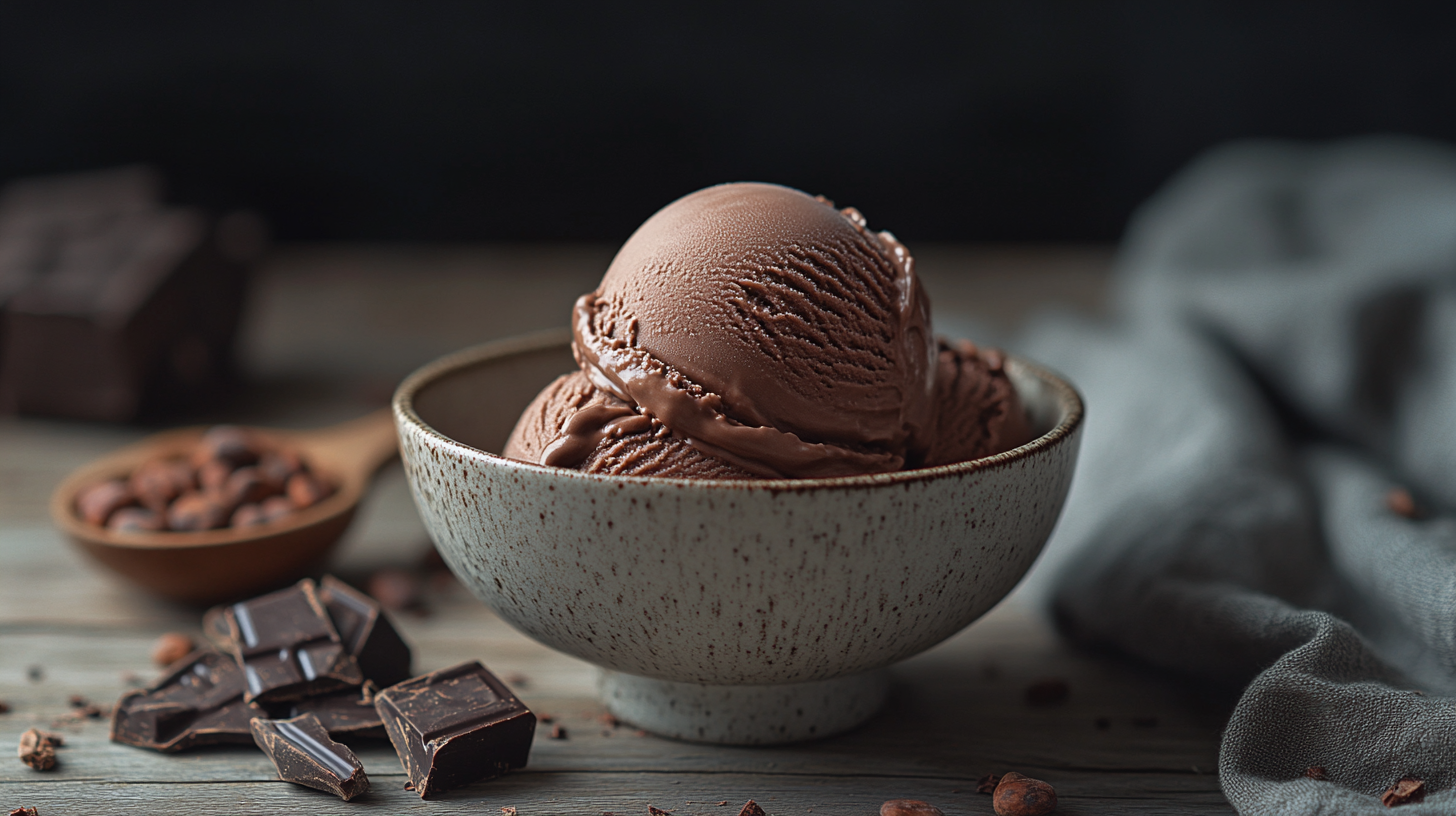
{"x":329,"y":331}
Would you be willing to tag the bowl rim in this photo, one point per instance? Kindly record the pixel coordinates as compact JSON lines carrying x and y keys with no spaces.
{"x":1065,"y":393}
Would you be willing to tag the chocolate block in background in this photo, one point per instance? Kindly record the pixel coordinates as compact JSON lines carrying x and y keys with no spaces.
{"x":366,"y":631}
{"x":112,"y":304}
{"x":303,"y":754}
{"x":287,"y":646}
{"x":198,"y":701}
{"x":362,"y":624}
{"x":454,"y":726}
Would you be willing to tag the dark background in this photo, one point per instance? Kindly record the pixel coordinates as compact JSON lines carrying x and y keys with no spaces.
{"x":987,"y":121}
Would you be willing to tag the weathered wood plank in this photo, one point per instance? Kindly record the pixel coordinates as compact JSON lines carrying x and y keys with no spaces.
{"x":543,"y":792}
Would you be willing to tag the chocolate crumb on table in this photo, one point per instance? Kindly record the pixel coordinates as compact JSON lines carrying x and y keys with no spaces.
{"x":1317,"y":772}
{"x":656,"y":811}
{"x":557,"y":732}
{"x":908,"y":807}
{"x":508,"y":810}
{"x":38,"y":750}
{"x":4,"y":707}
{"x":171,"y":647}
{"x":1404,"y":792}
{"x":1401,"y":502}
{"x":987,"y":784}
{"x":1051,"y":691}
{"x":25,"y":811}
{"x":750,"y":808}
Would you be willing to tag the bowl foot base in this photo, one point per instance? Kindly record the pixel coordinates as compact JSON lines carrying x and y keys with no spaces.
{"x":744,"y":715}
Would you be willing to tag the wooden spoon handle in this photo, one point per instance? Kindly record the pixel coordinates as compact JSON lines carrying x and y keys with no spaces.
{"x":359,"y":446}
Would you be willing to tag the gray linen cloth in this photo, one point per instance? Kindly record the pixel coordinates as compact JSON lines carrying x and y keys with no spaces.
{"x":1284,"y":355}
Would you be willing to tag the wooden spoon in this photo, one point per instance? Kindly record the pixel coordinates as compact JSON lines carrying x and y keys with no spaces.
{"x":231,"y":563}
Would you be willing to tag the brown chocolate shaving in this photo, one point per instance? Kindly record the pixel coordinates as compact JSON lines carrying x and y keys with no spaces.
{"x":38,"y":750}
{"x":1404,"y":792}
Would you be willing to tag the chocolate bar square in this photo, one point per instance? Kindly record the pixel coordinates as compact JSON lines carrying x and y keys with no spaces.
{"x":454,"y":726}
{"x":198,"y":701}
{"x":288,"y":647}
{"x":366,"y":631}
{"x":345,"y":715}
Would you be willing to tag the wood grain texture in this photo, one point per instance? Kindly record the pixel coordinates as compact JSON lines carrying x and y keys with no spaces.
{"x":956,"y":712}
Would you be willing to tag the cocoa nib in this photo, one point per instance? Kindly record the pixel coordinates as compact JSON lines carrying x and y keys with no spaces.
{"x":750,"y":808}
{"x":38,"y":749}
{"x":987,"y":784}
{"x":1404,"y":792}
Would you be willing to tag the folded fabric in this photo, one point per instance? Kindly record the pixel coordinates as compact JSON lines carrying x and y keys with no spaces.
{"x":1283,"y":358}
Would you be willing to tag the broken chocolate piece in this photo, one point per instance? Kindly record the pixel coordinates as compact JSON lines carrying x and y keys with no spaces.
{"x":454,"y":726}
{"x":199,"y":701}
{"x":366,"y":632}
{"x":346,"y":714}
{"x":25,"y":811}
{"x":750,"y":808}
{"x":302,"y":752}
{"x":37,"y":750}
{"x":288,"y":647}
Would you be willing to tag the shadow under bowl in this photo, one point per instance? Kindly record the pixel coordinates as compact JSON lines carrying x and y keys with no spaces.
{"x":746,"y":612}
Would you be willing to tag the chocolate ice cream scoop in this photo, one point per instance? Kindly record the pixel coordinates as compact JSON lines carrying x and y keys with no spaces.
{"x":749,"y":330}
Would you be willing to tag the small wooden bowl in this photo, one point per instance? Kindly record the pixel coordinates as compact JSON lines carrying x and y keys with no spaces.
{"x":212,"y":566}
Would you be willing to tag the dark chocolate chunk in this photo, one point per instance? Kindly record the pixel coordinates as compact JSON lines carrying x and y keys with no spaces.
{"x":346,"y":714}
{"x":199,"y":701}
{"x":288,"y":647}
{"x":304,"y":755}
{"x":454,"y":726}
{"x":366,"y":631}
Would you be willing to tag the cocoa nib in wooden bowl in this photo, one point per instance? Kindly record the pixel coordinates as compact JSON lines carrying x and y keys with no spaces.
{"x":202,"y":515}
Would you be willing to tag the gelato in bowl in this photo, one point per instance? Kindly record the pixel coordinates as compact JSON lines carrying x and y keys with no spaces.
{"x":750,"y":611}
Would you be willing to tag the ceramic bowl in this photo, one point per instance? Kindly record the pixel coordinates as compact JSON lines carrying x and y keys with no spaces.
{"x":736,"y":612}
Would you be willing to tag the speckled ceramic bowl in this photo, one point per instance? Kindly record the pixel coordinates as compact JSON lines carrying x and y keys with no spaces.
{"x":737,"y":612}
